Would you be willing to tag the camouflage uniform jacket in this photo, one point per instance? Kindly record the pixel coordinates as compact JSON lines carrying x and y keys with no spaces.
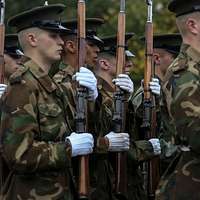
{"x":139,"y":151}
{"x":182,"y":91}
{"x":100,"y":170}
{"x":136,"y":103}
{"x":165,"y":126}
{"x":64,"y":78}
{"x":35,"y":121}
{"x":64,"y":74}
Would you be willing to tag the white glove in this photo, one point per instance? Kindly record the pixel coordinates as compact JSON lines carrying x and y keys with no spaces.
{"x":2,"y":89}
{"x":155,"y":86}
{"x":156,"y":146}
{"x":82,"y":144}
{"x":86,"y":78}
{"x":118,"y":141}
{"x":124,"y":82}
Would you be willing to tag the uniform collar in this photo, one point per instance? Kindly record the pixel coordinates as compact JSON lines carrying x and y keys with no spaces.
{"x":69,"y":70}
{"x":180,"y":63}
{"x":41,"y":76}
{"x":102,"y":84}
{"x":193,"y":54}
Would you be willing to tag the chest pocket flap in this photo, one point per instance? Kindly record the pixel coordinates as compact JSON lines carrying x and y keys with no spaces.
{"x":52,"y":110}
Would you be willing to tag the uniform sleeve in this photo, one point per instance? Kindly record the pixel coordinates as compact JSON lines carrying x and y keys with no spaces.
{"x":167,"y":133}
{"x":185,"y":109}
{"x":103,"y":125}
{"x":141,"y":150}
{"x":23,"y":149}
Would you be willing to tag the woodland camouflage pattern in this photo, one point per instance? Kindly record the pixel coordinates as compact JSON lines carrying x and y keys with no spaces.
{"x":36,"y":118}
{"x":101,"y":173}
{"x":140,"y":150}
{"x":167,"y":136}
{"x":165,"y":127}
{"x":64,"y":78}
{"x":182,"y":91}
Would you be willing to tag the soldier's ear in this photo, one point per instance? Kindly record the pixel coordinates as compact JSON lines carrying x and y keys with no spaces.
{"x":104,"y":64}
{"x":70,"y":46}
{"x":32,"y":39}
{"x":156,"y":58}
{"x":193,"y":25}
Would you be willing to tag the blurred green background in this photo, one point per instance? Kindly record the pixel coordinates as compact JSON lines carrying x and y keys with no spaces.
{"x":136,"y":14}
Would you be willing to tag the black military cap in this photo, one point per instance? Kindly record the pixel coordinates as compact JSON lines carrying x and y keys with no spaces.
{"x":12,"y":47}
{"x":182,"y":7}
{"x":92,"y":24}
{"x":169,"y":42}
{"x":110,"y":44}
{"x":45,"y":17}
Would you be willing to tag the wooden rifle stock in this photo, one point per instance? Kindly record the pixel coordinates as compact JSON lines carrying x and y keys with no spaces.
{"x":119,"y":115}
{"x":2,"y":38}
{"x":81,"y":104}
{"x":151,"y":168}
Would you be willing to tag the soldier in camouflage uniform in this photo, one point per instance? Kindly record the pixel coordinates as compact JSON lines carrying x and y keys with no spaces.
{"x":36,"y":143}
{"x":165,"y":49}
{"x":67,"y":67}
{"x":139,"y":150}
{"x":12,"y":58}
{"x":182,"y":95}
{"x":100,"y":171}
{"x":69,"y":63}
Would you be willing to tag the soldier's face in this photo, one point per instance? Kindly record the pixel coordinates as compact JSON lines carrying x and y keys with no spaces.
{"x":50,"y":45}
{"x":162,"y":60}
{"x":128,"y":65}
{"x":11,"y":65}
{"x":92,"y":51}
{"x":112,"y":70}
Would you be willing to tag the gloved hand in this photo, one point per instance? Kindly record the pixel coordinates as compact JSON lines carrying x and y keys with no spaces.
{"x":156,"y":146}
{"x":86,"y":78}
{"x":2,"y":89}
{"x":82,"y":144}
{"x":118,"y":141}
{"x":155,"y":86}
{"x":124,"y":82}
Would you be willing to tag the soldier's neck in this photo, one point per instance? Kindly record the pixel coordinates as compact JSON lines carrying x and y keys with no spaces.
{"x":70,"y":60}
{"x":44,"y":63}
{"x":193,"y":42}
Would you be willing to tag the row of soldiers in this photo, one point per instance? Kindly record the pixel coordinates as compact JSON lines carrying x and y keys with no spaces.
{"x":40,"y":148}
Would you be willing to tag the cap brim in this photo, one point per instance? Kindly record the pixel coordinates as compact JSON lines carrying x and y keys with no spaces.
{"x":15,"y":54}
{"x":19,"y":52}
{"x":129,"y":53}
{"x":58,"y":29}
{"x":96,"y":40}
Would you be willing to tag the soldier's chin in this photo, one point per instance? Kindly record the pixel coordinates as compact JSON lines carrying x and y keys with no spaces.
{"x":57,"y":57}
